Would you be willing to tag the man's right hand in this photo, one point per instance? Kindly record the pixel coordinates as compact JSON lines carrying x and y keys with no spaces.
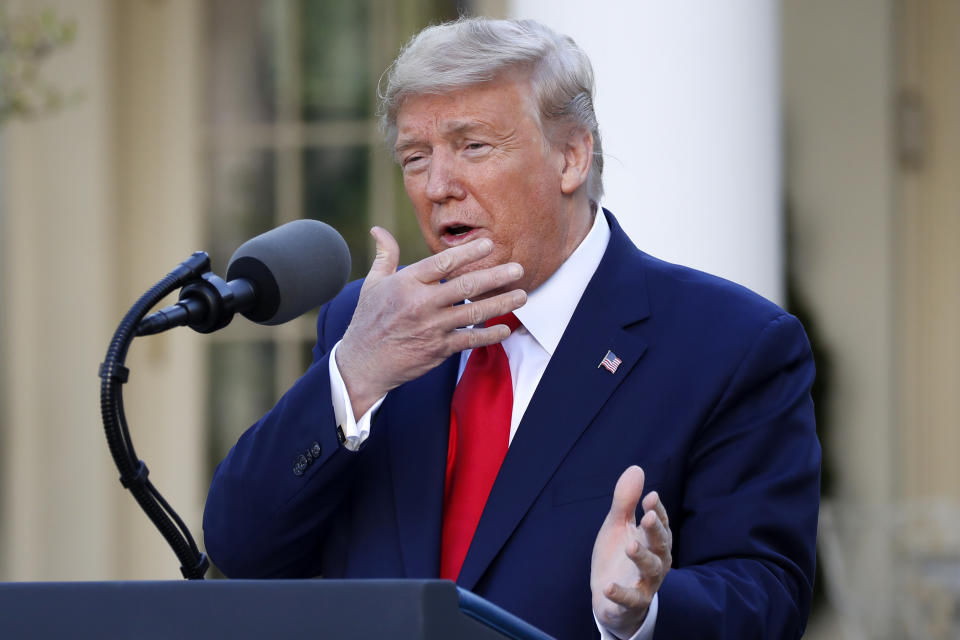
{"x":405,"y":323}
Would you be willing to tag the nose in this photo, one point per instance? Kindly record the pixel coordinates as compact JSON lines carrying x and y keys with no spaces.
{"x":443,"y":182}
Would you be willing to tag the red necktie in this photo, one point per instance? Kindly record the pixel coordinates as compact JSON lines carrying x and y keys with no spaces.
{"x":479,"y":435}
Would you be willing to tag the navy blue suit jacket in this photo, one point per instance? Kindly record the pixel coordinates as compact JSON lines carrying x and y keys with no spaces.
{"x":712,"y":400}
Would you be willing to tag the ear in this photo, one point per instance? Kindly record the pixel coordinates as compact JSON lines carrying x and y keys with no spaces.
{"x":577,"y":159}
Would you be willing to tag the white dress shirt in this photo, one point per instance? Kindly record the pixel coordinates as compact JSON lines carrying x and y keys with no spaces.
{"x":544,"y":318}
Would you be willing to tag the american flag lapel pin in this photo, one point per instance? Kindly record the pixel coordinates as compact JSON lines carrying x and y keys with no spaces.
{"x":610,"y":362}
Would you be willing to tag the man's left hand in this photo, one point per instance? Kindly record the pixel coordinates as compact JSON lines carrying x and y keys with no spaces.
{"x":629,"y":561}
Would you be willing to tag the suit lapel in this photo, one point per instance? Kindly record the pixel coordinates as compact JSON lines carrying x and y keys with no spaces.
{"x":570,"y":394}
{"x":420,"y":413}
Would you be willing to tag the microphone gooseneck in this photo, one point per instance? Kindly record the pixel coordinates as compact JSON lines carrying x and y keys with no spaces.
{"x":271,"y":279}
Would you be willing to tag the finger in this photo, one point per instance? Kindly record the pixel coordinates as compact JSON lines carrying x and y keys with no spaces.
{"x":387,"y":258}
{"x":626,"y":496}
{"x":440,"y":265}
{"x":475,"y":314}
{"x":659,"y":537}
{"x":462,"y":339}
{"x":652,"y":501}
{"x":625,"y":596}
{"x":646,"y":561}
{"x":477,"y":283}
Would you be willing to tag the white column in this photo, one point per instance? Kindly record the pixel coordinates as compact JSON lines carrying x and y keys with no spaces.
{"x":59,"y":496}
{"x":4,"y":358}
{"x":688,"y":104}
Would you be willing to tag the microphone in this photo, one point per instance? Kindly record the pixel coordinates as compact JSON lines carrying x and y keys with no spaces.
{"x":271,"y":279}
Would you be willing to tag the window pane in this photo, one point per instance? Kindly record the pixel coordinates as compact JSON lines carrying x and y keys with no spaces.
{"x":241,"y":390}
{"x":335,"y":184}
{"x":242,"y":63}
{"x":335,"y":55}
{"x":242,"y":201}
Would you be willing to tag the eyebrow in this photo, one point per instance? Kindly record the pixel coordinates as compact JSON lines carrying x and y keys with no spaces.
{"x":454,"y":128}
{"x":403,"y":145}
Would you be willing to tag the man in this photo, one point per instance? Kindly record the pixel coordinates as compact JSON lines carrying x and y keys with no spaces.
{"x":421,"y":443}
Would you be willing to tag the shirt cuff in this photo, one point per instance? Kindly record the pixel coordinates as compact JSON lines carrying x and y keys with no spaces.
{"x":355,"y":432}
{"x":645,"y":632}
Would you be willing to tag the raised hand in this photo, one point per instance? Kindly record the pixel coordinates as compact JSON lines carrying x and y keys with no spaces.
{"x":629,"y":561}
{"x":406,"y":323}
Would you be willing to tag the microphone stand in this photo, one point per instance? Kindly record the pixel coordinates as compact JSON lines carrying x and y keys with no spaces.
{"x":133,"y":471}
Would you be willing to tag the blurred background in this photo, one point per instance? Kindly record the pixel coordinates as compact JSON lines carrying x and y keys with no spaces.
{"x":809,"y":149}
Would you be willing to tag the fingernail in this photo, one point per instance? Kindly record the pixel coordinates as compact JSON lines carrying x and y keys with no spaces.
{"x":520,"y":298}
{"x":516,"y":270}
{"x":486,"y":244}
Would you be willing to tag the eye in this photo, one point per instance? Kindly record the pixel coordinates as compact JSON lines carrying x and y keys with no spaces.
{"x":475,"y":146}
{"x":411,"y":160}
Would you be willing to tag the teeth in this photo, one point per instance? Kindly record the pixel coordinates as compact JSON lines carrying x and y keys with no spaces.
{"x":459,"y":230}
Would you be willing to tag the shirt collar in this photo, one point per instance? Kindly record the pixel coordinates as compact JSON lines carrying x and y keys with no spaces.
{"x":550,"y":306}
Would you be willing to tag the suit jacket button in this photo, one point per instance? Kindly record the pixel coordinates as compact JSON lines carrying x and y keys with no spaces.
{"x":315,"y":450}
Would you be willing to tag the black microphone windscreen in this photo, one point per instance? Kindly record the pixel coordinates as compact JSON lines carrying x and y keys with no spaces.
{"x":294,"y":268}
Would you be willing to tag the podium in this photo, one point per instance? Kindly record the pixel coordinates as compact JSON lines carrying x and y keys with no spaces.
{"x":354,"y":609}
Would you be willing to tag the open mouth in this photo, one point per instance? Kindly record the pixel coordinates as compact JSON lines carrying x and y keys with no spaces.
{"x":459,"y":230}
{"x":457,"y":233}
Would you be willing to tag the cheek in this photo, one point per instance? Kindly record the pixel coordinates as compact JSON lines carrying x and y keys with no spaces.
{"x":528,"y":213}
{"x":422,"y":207}
{"x":414,"y":188}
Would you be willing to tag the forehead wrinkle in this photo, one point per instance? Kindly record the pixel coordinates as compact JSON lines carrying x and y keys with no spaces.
{"x":437,"y":119}
{"x":458,"y":128}
{"x":410,"y":136}
{"x":416,"y":133}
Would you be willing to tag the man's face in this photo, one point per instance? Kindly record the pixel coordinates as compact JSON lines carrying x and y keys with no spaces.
{"x":476,"y":164}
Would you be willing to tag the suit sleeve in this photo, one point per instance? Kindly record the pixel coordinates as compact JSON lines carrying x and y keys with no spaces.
{"x":744,"y":549}
{"x":272,"y":497}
